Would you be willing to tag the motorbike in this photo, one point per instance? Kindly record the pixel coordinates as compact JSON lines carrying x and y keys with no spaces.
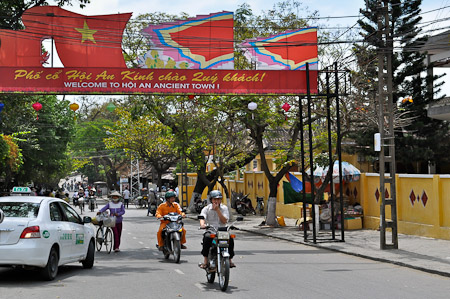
{"x":243,"y":204}
{"x":92,"y":203}
{"x":81,"y":202}
{"x":154,"y":203}
{"x":218,"y":257}
{"x":171,"y":235}
{"x":199,"y":203}
{"x":140,"y":201}
{"x":260,"y":205}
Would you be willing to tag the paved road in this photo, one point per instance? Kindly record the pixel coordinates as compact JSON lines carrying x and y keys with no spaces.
{"x":266,"y":268}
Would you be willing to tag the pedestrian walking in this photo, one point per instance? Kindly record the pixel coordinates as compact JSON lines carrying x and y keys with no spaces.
{"x":126,"y":197}
{"x":117,"y":209}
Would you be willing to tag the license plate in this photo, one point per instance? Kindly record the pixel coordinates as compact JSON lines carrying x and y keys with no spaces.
{"x":239,"y":206}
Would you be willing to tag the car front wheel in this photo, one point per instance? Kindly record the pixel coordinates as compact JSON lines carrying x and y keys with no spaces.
{"x":50,"y":271}
{"x":88,"y":263}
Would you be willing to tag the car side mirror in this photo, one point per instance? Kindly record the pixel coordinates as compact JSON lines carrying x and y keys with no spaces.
{"x":240,"y":218}
{"x":199,"y":217}
{"x":87,"y":219}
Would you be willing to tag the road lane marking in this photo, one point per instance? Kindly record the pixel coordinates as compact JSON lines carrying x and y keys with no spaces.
{"x":155,"y":253}
{"x":200,"y":286}
{"x":179,"y":271}
{"x":142,"y":243}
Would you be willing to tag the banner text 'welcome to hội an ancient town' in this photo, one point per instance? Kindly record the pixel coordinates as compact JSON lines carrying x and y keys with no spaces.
{"x":160,"y":81}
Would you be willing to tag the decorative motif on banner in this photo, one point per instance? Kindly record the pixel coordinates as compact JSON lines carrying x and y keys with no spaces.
{"x":81,"y":41}
{"x":204,"y":42}
{"x":290,"y":50}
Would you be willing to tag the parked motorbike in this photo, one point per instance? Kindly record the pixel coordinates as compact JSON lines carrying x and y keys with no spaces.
{"x":218,"y":257}
{"x":243,"y":204}
{"x":171,"y":235}
{"x":199,"y":203}
{"x":260,"y":205}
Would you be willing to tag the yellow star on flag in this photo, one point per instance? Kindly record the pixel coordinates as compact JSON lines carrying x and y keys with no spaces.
{"x":86,"y":33}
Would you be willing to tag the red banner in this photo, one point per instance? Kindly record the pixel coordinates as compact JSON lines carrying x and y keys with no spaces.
{"x":159,"y":81}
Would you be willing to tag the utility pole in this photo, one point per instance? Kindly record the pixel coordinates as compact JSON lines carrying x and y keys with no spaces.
{"x":184,"y":181}
{"x":386,"y":127}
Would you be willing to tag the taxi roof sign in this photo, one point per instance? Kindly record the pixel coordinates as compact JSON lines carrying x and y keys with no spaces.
{"x":21,"y":190}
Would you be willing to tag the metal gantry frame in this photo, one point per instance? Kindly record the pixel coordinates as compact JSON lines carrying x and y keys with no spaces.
{"x":329,"y":96}
{"x":134,"y":176}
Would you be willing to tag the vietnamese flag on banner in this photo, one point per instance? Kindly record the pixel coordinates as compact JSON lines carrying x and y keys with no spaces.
{"x":81,"y":41}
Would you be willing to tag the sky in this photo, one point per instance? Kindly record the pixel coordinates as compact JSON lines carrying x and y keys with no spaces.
{"x":346,"y":10}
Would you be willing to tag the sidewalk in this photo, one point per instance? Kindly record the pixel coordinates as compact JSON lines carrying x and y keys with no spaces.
{"x":420,"y":253}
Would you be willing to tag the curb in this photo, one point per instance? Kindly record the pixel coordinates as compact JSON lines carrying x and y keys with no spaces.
{"x":437,"y":272}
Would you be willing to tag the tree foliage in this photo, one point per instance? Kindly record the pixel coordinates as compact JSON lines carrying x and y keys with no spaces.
{"x":39,"y":137}
{"x":90,"y":154}
{"x":145,"y":137}
{"x":419,"y":139}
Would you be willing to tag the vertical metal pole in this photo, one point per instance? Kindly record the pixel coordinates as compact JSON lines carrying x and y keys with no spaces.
{"x":311,"y":156}
{"x":302,"y":151}
{"x":338,"y":148}
{"x":330,"y":155}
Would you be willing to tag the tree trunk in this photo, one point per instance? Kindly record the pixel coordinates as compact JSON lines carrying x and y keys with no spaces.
{"x":227,"y":194}
{"x":271,"y":218}
{"x":198,"y":190}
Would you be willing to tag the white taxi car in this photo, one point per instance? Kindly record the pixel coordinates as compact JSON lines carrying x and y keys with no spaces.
{"x":43,"y":232}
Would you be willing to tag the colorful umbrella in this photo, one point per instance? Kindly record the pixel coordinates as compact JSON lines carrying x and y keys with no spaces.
{"x":349,"y":173}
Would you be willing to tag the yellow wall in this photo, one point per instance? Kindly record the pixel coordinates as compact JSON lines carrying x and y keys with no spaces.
{"x":430,"y":218}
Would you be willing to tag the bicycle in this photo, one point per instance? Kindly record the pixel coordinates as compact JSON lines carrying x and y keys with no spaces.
{"x":104,"y":233}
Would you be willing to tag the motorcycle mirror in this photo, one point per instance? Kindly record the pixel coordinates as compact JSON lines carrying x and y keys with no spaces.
{"x":240,"y":218}
{"x":199,"y":217}
{"x":183,"y":210}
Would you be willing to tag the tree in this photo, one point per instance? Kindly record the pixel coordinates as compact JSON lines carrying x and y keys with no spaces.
{"x":10,"y":157}
{"x":89,"y":152}
{"x":202,"y":135}
{"x":146,"y":137}
{"x":419,"y":139}
{"x":39,"y":137}
{"x":268,"y":122}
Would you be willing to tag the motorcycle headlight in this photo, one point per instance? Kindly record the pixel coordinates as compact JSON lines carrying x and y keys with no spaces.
{"x":223,"y":235}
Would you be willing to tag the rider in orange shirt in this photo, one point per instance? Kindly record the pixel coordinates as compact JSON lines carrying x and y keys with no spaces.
{"x":165,"y":208}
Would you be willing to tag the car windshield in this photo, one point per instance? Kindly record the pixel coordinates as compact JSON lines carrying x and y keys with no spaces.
{"x":20,"y":209}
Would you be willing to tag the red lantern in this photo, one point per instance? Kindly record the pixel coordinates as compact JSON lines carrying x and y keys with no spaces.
{"x":286,"y":107}
{"x":37,"y":106}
